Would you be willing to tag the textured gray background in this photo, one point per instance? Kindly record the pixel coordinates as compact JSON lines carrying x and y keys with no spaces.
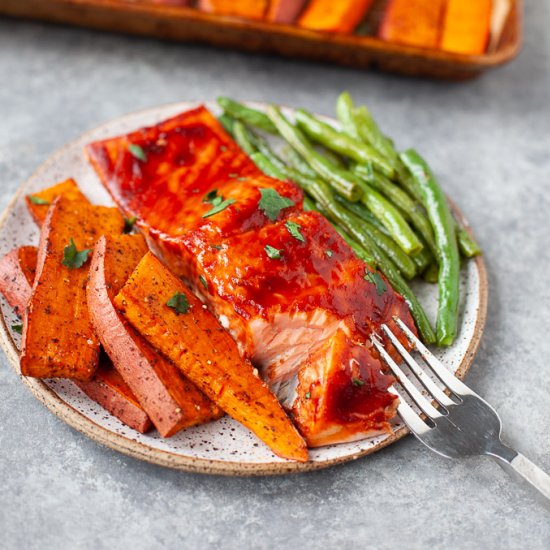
{"x":488,"y":140}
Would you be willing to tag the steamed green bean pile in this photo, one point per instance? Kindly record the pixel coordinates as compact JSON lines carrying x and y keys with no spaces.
{"x":387,"y":205}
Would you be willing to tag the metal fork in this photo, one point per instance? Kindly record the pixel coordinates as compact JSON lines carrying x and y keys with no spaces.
{"x":461,"y":427}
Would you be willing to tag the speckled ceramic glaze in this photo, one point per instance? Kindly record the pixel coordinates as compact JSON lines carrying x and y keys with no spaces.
{"x":224,"y":446}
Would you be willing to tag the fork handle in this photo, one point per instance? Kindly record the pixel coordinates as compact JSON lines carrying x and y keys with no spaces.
{"x":527,"y":470}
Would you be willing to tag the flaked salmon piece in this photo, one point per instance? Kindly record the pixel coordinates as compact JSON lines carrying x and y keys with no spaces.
{"x":284,"y":285}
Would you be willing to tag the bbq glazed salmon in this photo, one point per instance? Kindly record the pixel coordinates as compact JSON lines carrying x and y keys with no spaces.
{"x":295,"y":297}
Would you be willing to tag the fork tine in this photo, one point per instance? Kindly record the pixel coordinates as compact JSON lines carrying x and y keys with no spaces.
{"x":409,"y":416}
{"x":423,"y":404}
{"x":448,"y":378}
{"x":420,"y":373}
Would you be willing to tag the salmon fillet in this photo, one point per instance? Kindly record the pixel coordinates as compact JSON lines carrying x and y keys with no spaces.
{"x":298,"y":313}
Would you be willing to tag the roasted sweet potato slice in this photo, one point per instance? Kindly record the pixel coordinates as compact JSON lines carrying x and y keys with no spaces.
{"x":108,"y":389}
{"x":413,"y":22}
{"x":174,"y":321}
{"x":38,"y":203}
{"x":58,"y":337}
{"x":171,"y":401}
{"x":467,"y":26}
{"x":17,"y":270}
{"x":329,"y":16}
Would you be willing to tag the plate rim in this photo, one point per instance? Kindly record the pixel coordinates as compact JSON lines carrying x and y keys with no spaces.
{"x":131,"y":447}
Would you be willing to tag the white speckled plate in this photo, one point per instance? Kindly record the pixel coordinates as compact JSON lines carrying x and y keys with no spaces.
{"x":224,"y":446}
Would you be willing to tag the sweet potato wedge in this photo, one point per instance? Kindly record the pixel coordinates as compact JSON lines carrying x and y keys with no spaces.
{"x":413,"y":22}
{"x":249,"y":9}
{"x":108,"y":389}
{"x":187,"y":333}
{"x":467,"y":26}
{"x":17,"y":271}
{"x":330,"y":16}
{"x":58,"y":337}
{"x":38,"y":203}
{"x":171,"y":401}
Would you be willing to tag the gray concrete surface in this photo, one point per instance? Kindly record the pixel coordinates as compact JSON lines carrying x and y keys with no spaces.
{"x":489,"y":140}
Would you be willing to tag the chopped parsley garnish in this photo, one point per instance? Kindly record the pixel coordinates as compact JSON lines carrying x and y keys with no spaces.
{"x":357,"y":382}
{"x":212,"y":198}
{"x":179,"y":303}
{"x":137,"y":152}
{"x":17,"y":328}
{"x":219,"y":207}
{"x":294,"y":230}
{"x":308,"y":395}
{"x":272,"y":203}
{"x":74,"y":258}
{"x":203,"y":281}
{"x":129,"y":224}
{"x":329,"y":253}
{"x":216,"y":246}
{"x":272,"y":252}
{"x":374,"y":278}
{"x":37,"y":200}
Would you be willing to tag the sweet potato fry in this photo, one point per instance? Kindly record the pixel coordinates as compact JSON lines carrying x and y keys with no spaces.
{"x":108,"y":389}
{"x":330,"y":16}
{"x":17,"y":270}
{"x":467,"y":26}
{"x":58,"y":338}
{"x":413,"y":22}
{"x":171,"y":401}
{"x":174,"y":321}
{"x":38,"y":203}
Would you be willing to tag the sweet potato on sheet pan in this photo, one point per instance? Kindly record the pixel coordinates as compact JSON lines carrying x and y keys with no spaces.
{"x":38,"y":203}
{"x":330,"y":16}
{"x":107,"y":387}
{"x":171,"y":401}
{"x":187,"y":333}
{"x":17,"y":270}
{"x":413,"y":22}
{"x":58,"y":337}
{"x":467,"y":26}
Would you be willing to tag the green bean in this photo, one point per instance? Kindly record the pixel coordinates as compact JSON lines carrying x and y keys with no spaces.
{"x":360,"y":210}
{"x":297,"y":161}
{"x":266,"y":166}
{"x":467,"y":244}
{"x":227,"y":122}
{"x":423,"y":260}
{"x":358,"y":250}
{"x":341,"y":143}
{"x":431,"y":274}
{"x":346,"y":116}
{"x":243,"y":138}
{"x":308,"y":204}
{"x":248,"y":115}
{"x":442,"y":221}
{"x":343,"y":181}
{"x":370,"y":133}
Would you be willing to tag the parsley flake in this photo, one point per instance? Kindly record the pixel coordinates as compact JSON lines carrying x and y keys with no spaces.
{"x":203,"y":281}
{"x":272,"y":203}
{"x":308,"y":395}
{"x":137,"y":152}
{"x":216,"y":246}
{"x":219,"y":207}
{"x":17,"y":328}
{"x":212,"y":198}
{"x":129,"y":224}
{"x":374,"y":278}
{"x":357,"y":382}
{"x":179,"y":303}
{"x":294,"y":230}
{"x":272,"y":252}
{"x":37,"y":200}
{"x":74,"y":258}
{"x":329,"y":253}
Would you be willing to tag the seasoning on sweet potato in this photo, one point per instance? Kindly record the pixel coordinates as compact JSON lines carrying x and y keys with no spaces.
{"x":171,"y":401}
{"x":108,"y":389}
{"x":58,"y":338}
{"x":249,"y":9}
{"x":413,"y":22}
{"x":330,"y":16}
{"x":38,"y":203}
{"x":174,"y":321}
{"x":467,"y":26}
{"x":17,"y":270}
